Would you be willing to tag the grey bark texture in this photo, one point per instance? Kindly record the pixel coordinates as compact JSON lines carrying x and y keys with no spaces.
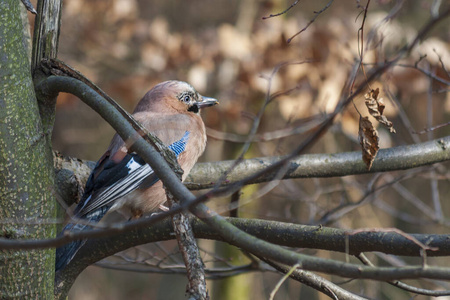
{"x":26,"y":167}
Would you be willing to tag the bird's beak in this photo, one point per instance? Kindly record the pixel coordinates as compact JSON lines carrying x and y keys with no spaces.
{"x":207,"y":102}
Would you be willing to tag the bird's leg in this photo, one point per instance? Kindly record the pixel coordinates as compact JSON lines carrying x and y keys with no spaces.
{"x":136,"y":214}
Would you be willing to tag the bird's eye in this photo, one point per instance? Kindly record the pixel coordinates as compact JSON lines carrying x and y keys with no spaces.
{"x":187,"y":99}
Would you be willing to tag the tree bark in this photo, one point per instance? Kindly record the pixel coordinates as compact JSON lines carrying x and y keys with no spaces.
{"x":26,"y":168}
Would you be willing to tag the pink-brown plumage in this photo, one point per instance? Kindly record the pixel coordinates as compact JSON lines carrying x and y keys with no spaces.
{"x":170,"y":111}
{"x":164,"y":115}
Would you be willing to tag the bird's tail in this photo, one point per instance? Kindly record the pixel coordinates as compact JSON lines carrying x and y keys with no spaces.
{"x":66,"y":253}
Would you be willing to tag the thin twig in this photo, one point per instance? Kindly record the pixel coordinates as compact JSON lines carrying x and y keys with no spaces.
{"x":361,"y":47}
{"x":363,"y":258}
{"x":431,"y":128}
{"x":304,"y":126}
{"x":283,"y":12}
{"x":283,"y":279}
{"x":316,"y":282}
{"x":316,"y":14}
{"x":442,"y":63}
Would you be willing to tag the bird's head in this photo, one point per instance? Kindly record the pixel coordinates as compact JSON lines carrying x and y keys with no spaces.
{"x":174,"y":96}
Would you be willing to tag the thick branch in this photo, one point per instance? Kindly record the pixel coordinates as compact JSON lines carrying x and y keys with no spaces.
{"x":284,"y":234}
{"x":204,"y":175}
{"x":195,"y":268}
{"x":46,"y":35}
{"x":262,"y":248}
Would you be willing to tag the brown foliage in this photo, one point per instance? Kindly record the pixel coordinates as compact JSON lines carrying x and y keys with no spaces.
{"x":376,"y":107}
{"x":369,"y":140}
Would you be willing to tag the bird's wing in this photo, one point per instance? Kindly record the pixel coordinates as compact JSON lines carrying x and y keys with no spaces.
{"x":111,"y":181}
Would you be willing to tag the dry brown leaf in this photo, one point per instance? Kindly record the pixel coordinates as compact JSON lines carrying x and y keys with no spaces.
{"x":369,"y":140}
{"x":376,"y":107}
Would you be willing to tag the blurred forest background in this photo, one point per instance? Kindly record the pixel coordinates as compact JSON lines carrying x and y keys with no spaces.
{"x":226,"y":50}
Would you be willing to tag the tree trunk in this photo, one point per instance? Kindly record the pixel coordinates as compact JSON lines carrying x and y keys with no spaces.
{"x":27,"y":206}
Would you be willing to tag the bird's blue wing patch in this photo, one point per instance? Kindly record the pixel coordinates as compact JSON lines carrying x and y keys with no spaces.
{"x":179,"y":146}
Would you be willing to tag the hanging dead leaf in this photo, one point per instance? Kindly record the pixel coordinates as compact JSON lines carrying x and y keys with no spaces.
{"x":376,"y":107}
{"x":369,"y":140}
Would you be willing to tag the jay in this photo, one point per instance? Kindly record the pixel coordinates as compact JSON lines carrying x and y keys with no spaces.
{"x":122,"y":181}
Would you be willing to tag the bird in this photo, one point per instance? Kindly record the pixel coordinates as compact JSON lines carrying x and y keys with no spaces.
{"x":121,"y":181}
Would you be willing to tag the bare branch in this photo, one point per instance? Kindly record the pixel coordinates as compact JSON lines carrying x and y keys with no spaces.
{"x":279,"y":254}
{"x":285,"y":234}
{"x":405,"y":286}
{"x":316,"y":282}
{"x":191,"y":255}
{"x":205,"y":175}
{"x":283,"y":279}
{"x":432,"y":128}
{"x":283,"y":12}
{"x":316,"y":14}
